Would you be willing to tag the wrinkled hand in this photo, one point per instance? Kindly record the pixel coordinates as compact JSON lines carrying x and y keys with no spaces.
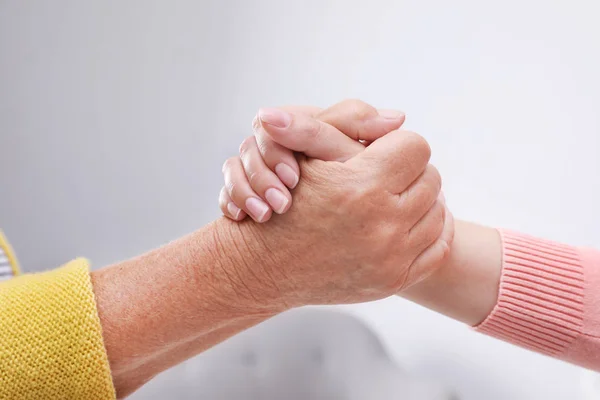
{"x":363,"y":227}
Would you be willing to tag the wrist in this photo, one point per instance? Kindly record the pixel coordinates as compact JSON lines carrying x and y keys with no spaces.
{"x":176,"y":301}
{"x":466,"y":286}
{"x":244,"y":267}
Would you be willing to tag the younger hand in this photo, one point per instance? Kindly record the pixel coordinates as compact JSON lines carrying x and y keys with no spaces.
{"x":258,"y":181}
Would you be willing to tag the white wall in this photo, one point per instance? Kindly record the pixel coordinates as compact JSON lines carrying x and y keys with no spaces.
{"x":115,"y":118}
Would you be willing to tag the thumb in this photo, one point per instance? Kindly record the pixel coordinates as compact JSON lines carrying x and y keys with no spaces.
{"x":306,"y":135}
{"x":333,"y":135}
{"x":360,"y":120}
{"x":398,"y":158}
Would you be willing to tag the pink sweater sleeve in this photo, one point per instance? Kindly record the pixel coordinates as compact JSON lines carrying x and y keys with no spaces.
{"x":549,"y":299}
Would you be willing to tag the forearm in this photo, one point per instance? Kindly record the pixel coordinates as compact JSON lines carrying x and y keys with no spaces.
{"x":535,"y":293}
{"x":466,"y":286}
{"x":127,"y":381}
{"x":174,"y":302}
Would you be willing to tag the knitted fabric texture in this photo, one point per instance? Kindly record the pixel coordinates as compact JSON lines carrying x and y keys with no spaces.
{"x":51,"y":343}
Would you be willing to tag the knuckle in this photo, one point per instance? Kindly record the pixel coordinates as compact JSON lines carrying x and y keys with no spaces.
{"x":438,"y":224}
{"x":270,"y":153}
{"x":222,"y":195}
{"x":435,"y":225}
{"x":228,"y":164}
{"x":234,"y":190}
{"x":418,"y":146}
{"x":223,"y":206}
{"x":257,"y":178}
{"x":315,"y":130}
{"x":266,"y":147}
{"x":352,"y":103}
{"x":418,"y":197}
{"x":359,"y":109}
{"x":435,"y":178}
{"x":246,"y":145}
{"x":255,"y":123}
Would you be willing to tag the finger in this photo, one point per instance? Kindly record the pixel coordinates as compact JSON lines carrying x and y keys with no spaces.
{"x":228,"y":207}
{"x":360,"y":120}
{"x":435,"y":255}
{"x":397,"y":158}
{"x":345,"y":115}
{"x":307,"y":135}
{"x":420,"y":196}
{"x":309,"y":111}
{"x":276,"y":157}
{"x":429,"y":228}
{"x":262,"y":180}
{"x":240,"y":192}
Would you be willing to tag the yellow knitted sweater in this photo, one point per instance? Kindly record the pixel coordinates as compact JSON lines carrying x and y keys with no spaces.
{"x":51,"y":343}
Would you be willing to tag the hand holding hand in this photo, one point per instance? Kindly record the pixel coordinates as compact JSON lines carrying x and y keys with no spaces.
{"x":257,"y":182}
{"x":362,"y":228}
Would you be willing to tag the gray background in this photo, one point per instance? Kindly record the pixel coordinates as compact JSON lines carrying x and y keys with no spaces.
{"x":115,"y":118}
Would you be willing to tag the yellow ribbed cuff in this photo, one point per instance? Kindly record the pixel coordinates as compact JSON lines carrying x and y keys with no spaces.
{"x":10,"y":254}
{"x":51,"y":344}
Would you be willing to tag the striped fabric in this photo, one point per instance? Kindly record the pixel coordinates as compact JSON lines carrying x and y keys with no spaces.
{"x":6,"y":271}
{"x":7,"y":267}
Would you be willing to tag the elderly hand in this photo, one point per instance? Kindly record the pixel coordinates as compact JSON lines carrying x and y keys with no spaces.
{"x":363,"y":227}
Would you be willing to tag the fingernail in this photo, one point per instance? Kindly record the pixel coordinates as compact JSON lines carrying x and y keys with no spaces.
{"x":275,"y":117}
{"x":277,"y":200}
{"x":257,"y":208}
{"x":391,"y":114}
{"x":234,"y":210}
{"x":287,"y":175}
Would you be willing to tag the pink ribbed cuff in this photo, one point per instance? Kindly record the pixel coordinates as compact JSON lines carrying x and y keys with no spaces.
{"x":540,"y":301}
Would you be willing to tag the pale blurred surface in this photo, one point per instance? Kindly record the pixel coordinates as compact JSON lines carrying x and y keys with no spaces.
{"x":115,"y":118}
{"x":304,"y":354}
